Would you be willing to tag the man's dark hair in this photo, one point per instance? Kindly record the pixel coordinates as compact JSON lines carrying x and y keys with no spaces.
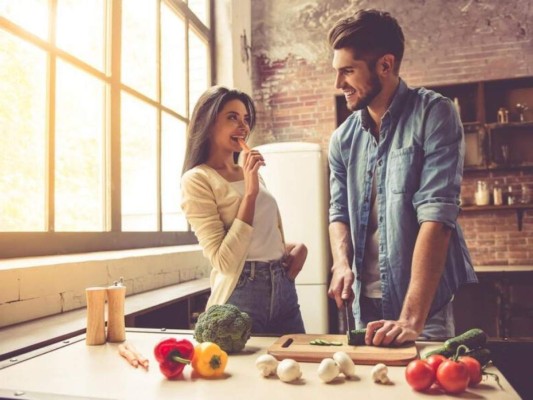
{"x":370,"y":34}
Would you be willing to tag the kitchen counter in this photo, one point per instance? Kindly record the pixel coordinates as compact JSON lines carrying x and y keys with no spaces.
{"x":74,"y":370}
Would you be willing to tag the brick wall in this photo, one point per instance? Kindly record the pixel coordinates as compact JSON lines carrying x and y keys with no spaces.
{"x":447,"y":42}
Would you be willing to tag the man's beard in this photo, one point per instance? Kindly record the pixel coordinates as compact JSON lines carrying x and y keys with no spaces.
{"x":375,"y":89}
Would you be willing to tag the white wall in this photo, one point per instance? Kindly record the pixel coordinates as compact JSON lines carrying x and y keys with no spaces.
{"x":232,"y":19}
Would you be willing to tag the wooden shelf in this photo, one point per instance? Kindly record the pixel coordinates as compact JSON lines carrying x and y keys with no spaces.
{"x":519,"y":208}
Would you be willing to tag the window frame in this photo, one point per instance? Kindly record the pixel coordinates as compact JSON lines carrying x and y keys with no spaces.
{"x":50,"y":242}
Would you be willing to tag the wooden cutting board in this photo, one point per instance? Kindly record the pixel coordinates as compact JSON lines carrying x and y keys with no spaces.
{"x":297,"y":347}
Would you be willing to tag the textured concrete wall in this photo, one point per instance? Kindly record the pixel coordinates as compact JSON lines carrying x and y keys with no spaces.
{"x":447,"y":41}
{"x":37,"y":287}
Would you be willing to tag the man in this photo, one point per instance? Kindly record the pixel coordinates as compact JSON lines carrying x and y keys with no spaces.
{"x":396,"y":169}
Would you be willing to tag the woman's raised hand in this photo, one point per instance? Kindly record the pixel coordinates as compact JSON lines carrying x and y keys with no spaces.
{"x":253,"y":160}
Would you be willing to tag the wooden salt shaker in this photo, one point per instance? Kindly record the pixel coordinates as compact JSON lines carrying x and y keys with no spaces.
{"x":95,"y":315}
{"x":116,"y":326}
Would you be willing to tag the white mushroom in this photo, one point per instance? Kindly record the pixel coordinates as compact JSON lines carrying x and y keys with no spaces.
{"x":379,"y":373}
{"x":267,"y":364}
{"x":289,"y":370}
{"x":328,"y":370}
{"x":346,"y":365}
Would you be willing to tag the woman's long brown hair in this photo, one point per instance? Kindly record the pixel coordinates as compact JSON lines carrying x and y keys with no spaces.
{"x":203,"y":118}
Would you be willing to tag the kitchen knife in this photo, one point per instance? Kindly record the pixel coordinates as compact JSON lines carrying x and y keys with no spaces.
{"x":349,"y":334}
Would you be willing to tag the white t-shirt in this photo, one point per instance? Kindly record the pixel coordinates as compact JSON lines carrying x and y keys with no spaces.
{"x":267,"y":242}
{"x":370,"y":280}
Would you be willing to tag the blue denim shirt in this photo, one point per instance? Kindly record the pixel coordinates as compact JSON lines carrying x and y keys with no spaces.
{"x":418,"y":163}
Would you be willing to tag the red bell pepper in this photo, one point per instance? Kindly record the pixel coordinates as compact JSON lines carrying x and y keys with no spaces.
{"x":172,"y":356}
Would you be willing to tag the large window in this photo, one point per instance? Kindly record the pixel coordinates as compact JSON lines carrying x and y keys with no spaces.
{"x":94,"y":106}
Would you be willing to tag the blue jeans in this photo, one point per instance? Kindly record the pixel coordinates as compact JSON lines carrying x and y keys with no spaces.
{"x":266,"y":293}
{"x":439,"y":326}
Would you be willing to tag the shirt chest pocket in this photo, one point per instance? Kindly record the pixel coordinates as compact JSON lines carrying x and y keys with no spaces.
{"x":404,"y":167}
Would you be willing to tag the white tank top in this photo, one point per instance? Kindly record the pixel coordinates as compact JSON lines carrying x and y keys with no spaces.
{"x":370,"y":280}
{"x":267,"y":242}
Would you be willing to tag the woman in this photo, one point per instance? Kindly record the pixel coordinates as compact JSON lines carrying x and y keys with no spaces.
{"x":234,"y":217}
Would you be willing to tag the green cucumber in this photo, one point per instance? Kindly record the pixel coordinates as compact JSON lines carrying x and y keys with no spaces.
{"x":441,"y":351}
{"x":473,"y":339}
{"x":356,"y":337}
{"x":482,"y":355}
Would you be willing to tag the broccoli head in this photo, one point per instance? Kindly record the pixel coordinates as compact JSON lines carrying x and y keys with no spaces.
{"x":224,"y":325}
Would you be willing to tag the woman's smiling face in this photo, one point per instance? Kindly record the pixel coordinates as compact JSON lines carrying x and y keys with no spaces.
{"x":231,"y":123}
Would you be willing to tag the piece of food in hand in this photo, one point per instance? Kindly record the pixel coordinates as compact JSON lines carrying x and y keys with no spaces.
{"x":328,"y":370}
{"x":225,"y":325}
{"x":172,"y":356}
{"x":266,"y":364}
{"x":288,"y":370}
{"x":243,"y":144}
{"x":209,"y":360}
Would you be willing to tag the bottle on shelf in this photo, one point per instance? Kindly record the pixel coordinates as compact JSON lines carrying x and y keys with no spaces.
{"x":525,"y":194}
{"x":497,"y":194}
{"x":482,"y":196}
{"x":511,"y":196}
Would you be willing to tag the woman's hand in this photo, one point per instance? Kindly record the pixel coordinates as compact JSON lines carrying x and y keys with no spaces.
{"x":294,"y":262}
{"x":253,"y":160}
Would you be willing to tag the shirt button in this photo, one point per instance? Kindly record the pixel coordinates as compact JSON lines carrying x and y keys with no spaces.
{"x":380,"y":219}
{"x":370,"y":174}
{"x":380,"y":163}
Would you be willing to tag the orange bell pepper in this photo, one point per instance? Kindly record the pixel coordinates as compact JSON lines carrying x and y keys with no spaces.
{"x":209,"y":360}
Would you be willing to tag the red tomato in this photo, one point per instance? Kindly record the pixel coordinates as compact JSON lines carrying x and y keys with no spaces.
{"x":435,"y":360}
{"x":474,"y":369}
{"x":419,"y":375}
{"x":453,"y":376}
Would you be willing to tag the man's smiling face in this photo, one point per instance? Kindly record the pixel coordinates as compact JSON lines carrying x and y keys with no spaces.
{"x":356,"y":78}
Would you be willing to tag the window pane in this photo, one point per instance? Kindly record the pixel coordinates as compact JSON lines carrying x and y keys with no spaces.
{"x":173,"y":79}
{"x":81,"y":28}
{"x":201,"y":9}
{"x":22,"y":135}
{"x":79,"y":166}
{"x":32,"y":15}
{"x":139,"y":50}
{"x":198,"y":68}
{"x":138,"y":165}
{"x":173,"y":152}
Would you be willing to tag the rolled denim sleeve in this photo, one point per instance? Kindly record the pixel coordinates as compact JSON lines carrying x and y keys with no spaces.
{"x":338,"y":206}
{"x":440,"y":181}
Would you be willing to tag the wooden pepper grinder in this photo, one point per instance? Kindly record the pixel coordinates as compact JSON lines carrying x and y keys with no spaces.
{"x":95,"y":315}
{"x":116,"y":326}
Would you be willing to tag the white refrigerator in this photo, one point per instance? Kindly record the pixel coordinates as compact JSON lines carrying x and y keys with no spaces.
{"x":295,"y":175}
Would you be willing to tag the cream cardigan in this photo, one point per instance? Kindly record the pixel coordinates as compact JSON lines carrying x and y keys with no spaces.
{"x":210,"y":204}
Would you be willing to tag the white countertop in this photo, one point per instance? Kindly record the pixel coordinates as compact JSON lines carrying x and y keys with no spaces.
{"x":99,"y":372}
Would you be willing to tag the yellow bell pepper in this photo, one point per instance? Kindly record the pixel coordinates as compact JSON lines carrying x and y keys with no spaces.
{"x":209,"y":360}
